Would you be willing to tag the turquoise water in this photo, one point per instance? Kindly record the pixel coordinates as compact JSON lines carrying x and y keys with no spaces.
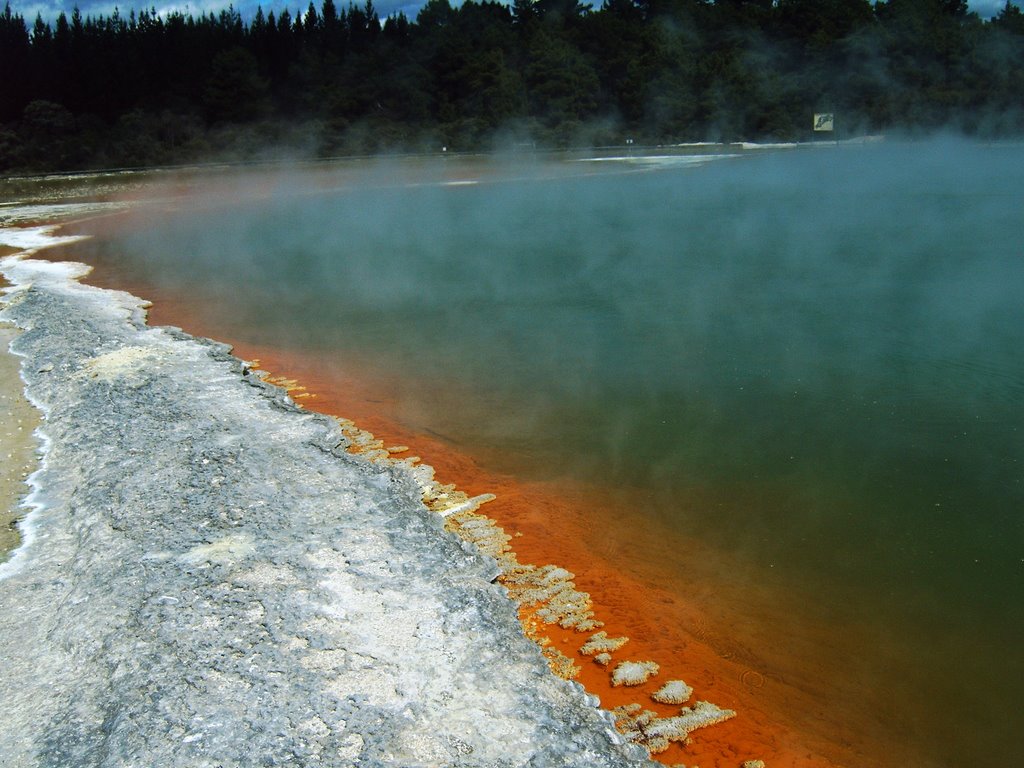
{"x":813,"y":360}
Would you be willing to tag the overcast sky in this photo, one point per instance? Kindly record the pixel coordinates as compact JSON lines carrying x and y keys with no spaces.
{"x":51,"y":8}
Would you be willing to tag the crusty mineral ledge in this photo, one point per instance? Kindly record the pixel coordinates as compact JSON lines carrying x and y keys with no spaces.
{"x":209,"y":579}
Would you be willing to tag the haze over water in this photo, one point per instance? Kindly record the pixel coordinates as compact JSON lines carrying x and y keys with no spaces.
{"x":810,"y":361}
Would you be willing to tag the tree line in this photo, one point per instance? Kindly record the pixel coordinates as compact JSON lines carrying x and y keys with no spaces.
{"x":147,"y":88}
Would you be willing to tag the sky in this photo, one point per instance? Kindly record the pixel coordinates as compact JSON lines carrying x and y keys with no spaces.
{"x":51,"y":8}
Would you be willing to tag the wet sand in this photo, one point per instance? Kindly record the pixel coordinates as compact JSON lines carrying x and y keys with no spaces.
{"x":17,"y":447}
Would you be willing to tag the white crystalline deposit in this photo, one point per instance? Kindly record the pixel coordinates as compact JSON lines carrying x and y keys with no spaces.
{"x":673,"y":692}
{"x":213,"y":580}
{"x":552,"y":593}
{"x":25,"y":238}
{"x":634,"y":672}
{"x":132,"y":364}
{"x":600,"y":643}
{"x":668,"y":729}
{"x":642,"y":726}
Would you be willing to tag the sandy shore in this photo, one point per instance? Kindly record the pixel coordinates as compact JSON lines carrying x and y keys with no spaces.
{"x":17,"y":448}
{"x":209,"y":578}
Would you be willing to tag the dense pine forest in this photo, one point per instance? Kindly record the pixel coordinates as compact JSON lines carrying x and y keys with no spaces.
{"x":145,"y":88}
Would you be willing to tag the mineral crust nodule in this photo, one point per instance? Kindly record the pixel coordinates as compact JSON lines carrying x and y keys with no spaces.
{"x":634,"y":672}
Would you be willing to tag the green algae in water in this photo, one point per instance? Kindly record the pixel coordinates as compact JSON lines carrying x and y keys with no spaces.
{"x":809,"y":359}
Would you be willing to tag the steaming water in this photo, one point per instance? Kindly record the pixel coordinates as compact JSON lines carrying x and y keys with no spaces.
{"x":810,"y":360}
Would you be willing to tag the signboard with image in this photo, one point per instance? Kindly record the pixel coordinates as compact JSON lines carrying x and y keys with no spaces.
{"x":824,"y":121}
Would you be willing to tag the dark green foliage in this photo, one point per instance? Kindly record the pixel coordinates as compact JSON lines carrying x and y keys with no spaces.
{"x":148,"y":89}
{"x":53,"y":129}
{"x":15,"y":63}
{"x":1010,"y":19}
{"x":562,"y":82}
{"x":234,"y":91}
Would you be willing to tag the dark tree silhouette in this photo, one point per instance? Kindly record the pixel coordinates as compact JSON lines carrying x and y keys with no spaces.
{"x":151,"y":88}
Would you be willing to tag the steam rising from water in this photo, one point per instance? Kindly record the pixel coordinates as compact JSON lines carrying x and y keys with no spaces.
{"x":810,"y":358}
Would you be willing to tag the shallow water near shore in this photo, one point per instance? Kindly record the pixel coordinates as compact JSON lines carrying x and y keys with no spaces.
{"x":786,"y":387}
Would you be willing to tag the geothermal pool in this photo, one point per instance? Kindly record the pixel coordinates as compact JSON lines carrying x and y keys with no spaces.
{"x":785,"y":390}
